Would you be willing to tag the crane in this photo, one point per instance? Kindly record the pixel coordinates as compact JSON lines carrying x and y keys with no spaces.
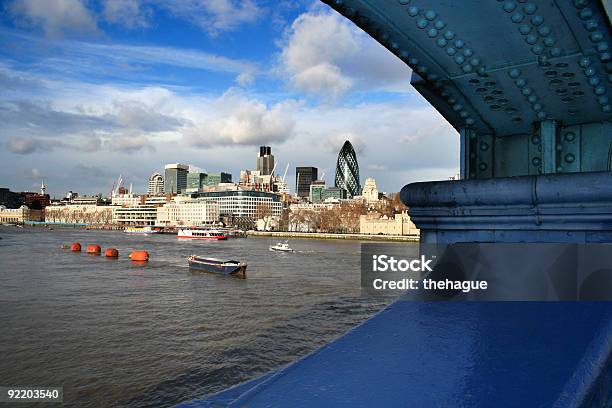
{"x":285,"y":174}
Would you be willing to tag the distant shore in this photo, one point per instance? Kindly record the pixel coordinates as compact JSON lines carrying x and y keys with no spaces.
{"x":317,"y":235}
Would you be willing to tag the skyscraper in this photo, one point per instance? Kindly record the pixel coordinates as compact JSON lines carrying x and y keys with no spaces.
{"x":195,"y":181}
{"x":156,"y":185}
{"x":304,"y":176}
{"x":347,"y":170}
{"x":175,"y":178}
{"x":265,"y":160}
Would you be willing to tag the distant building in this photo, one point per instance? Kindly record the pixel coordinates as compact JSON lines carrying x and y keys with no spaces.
{"x":316,"y":188}
{"x":374,"y":224}
{"x":10,"y":199}
{"x":347,"y":170}
{"x":19,"y":215}
{"x":370,"y":191}
{"x":80,"y":214}
{"x":237,"y":203}
{"x":188,"y":213}
{"x":175,"y":178}
{"x":335,"y":193}
{"x":304,"y":176}
{"x":265,"y":160}
{"x":139,"y":215}
{"x":156,"y":185}
{"x":86,"y":200}
{"x":195,"y":181}
{"x":127,"y":200}
{"x":214,"y":179}
{"x":36,"y":201}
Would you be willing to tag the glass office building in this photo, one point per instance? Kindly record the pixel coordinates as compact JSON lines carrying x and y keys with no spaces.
{"x":347,"y":171}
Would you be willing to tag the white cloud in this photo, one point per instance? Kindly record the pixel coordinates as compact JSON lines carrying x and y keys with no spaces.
{"x":213,"y":16}
{"x":131,"y":14}
{"x":325,"y":55}
{"x":55,"y":17}
{"x":245,"y":79}
{"x":234,"y":119}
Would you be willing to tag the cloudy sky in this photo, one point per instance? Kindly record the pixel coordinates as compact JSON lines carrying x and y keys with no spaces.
{"x":94,"y":89}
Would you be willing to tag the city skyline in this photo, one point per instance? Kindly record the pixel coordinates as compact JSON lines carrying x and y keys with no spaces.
{"x":115,"y":88}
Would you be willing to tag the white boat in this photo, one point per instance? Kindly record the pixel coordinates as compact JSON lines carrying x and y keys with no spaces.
{"x":281,"y":247}
{"x":210,"y":235}
{"x":140,"y":230}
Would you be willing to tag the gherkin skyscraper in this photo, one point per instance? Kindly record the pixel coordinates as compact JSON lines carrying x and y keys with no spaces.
{"x":347,"y":170}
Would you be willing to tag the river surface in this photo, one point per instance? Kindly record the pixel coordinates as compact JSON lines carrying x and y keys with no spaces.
{"x":113,"y":333}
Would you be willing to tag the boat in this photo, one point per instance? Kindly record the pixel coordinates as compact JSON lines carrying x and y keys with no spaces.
{"x":210,"y":235}
{"x":281,"y":247}
{"x":140,"y":230}
{"x":213,"y":265}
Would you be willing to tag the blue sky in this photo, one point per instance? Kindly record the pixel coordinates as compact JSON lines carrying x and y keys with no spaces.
{"x":94,"y":89}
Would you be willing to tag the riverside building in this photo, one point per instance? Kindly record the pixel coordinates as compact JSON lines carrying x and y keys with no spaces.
{"x":140,"y":215}
{"x":304,"y":176}
{"x":188,"y":213}
{"x":237,"y":203}
{"x":175,"y":178}
{"x":156,"y":185}
{"x":347,"y":170}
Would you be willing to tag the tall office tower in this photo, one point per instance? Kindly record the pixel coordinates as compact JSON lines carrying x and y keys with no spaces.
{"x":213,"y":179}
{"x":195,"y":181}
{"x":347,"y":170}
{"x":175,"y":178}
{"x":156,"y":185}
{"x":304,"y":176}
{"x":265,"y":160}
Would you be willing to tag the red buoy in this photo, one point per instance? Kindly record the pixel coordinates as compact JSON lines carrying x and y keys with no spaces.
{"x":111,"y":253}
{"x":94,"y":249}
{"x":75,"y":247}
{"x":139,"y":256}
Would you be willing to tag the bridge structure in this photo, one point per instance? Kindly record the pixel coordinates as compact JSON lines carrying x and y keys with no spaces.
{"x":528,"y":86}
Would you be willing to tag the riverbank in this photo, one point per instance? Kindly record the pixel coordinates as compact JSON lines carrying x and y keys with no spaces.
{"x":317,"y":235}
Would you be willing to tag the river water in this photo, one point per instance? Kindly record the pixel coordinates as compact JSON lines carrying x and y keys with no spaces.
{"x":113,"y":333}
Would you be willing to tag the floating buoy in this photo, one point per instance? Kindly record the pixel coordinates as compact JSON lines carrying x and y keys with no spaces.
{"x":139,"y":256}
{"x":111,"y":253}
{"x":94,"y":249}
{"x":64,"y":246}
{"x":75,"y":247}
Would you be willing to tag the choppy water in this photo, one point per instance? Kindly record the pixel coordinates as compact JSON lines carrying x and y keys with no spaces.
{"x":117,"y":334}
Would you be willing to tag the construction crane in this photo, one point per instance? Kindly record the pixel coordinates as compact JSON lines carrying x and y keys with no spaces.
{"x":285,"y":174}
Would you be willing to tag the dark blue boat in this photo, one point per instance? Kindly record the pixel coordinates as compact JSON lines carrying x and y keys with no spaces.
{"x":230,"y":267}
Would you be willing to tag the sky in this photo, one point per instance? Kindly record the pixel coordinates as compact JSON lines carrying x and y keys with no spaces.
{"x":90,"y":90}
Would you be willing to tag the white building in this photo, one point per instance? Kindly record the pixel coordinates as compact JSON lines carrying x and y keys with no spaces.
{"x":156,"y":185}
{"x":369,"y":193}
{"x":74,"y":213}
{"x":188,"y":213}
{"x":400,"y":224}
{"x":126,"y":200}
{"x":16,"y":215}
{"x":251,"y":204}
{"x":138,"y":215}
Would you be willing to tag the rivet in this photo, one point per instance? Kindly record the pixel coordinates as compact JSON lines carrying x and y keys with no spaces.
{"x":422,"y":23}
{"x":509,"y":6}
{"x":603,"y":100}
{"x":432,"y":32}
{"x":570,"y":158}
{"x":469,"y":121}
{"x":464,"y":114}
{"x":549,"y":41}
{"x":452,"y":101}
{"x":544,"y":31}
{"x":531,"y":39}
{"x":468,"y":52}
{"x":584,"y":62}
{"x":449,"y":35}
{"x":559,"y":147}
{"x":451,"y":51}
{"x":526,"y":91}
{"x":394,"y":45}
{"x":590,"y":71}
{"x":472,"y":155}
{"x":559,"y":169}
{"x":457,"y":107}
{"x":520,"y":82}
{"x":586,"y":13}
{"x":430,"y":15}
{"x":530,"y":8}
{"x":606,"y":108}
{"x":594,"y":81}
{"x":605,"y":57}
{"x":514,"y":73}
{"x":596,"y":36}
{"x":475,"y":61}
{"x":413,"y":11}
{"x":536,"y":161}
{"x":403,"y":54}
{"x":537,"y":49}
{"x":484,"y":146}
{"x":459,"y":43}
{"x":579,"y":4}
{"x":517,"y":17}
{"x":537,"y":107}
{"x":570,"y":136}
{"x":541,"y":115}
{"x":413,"y":61}
{"x":482,"y":166}
{"x":441,"y":42}
{"x":525,"y":29}
{"x":600,"y":90}
{"x":532,"y":99}
{"x":555,"y":52}
{"x":537,"y":20}
{"x":591,"y":25}
{"x":440,"y":24}
{"x":601,"y":47}
{"x":467,"y":68}
{"x":472,"y":175}
{"x":535,"y":140}
{"x":459,"y":59}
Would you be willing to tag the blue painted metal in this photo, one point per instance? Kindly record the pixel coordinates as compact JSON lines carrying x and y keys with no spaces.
{"x":449,"y":354}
